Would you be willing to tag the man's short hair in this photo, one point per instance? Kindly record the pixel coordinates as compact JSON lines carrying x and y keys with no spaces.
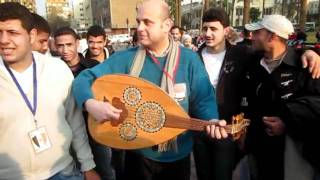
{"x":177,"y":27}
{"x":65,"y":31}
{"x":216,"y":14}
{"x":16,"y":11}
{"x":96,"y":31}
{"x":40,"y":24}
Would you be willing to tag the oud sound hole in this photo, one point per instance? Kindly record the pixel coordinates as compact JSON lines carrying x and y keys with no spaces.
{"x":132,"y":96}
{"x":128,"y":131}
{"x":150,"y":117}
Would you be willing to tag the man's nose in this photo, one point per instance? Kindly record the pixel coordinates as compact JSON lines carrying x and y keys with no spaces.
{"x":64,"y":49}
{"x":4,"y":38}
{"x":208,"y":32}
{"x":141,"y":26}
{"x":95,"y":44}
{"x":45,"y":47}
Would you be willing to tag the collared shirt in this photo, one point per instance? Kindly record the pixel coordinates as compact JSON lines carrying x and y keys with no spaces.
{"x":271,"y":65}
{"x":24,"y":78}
{"x":165,"y":53}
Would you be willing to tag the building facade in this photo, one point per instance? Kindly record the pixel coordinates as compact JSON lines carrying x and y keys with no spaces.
{"x":313,"y":7}
{"x":59,"y":8}
{"x":30,"y":4}
{"x":191,"y":15}
{"x":82,"y":14}
{"x":101,"y":13}
{"x":237,"y":15}
{"x":117,"y":16}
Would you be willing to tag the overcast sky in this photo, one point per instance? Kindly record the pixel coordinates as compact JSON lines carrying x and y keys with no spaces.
{"x":41,"y":8}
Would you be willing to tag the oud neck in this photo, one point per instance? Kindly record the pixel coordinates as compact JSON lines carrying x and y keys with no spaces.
{"x":191,"y":123}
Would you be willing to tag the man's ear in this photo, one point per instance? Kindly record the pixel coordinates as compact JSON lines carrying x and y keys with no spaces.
{"x":226,"y":30}
{"x":167,"y":24}
{"x":33,"y":35}
{"x":77,"y":43}
{"x":273,"y":36}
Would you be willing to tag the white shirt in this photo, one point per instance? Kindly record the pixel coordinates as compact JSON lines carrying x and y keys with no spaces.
{"x":213,"y":63}
{"x":25,"y":78}
{"x":83,"y":45}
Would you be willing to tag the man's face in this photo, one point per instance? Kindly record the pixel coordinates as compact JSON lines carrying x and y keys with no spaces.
{"x":152,"y":28}
{"x":260,"y":39}
{"x":96,"y":45}
{"x":15,"y":41}
{"x":176,"y":34}
{"x":214,"y":33}
{"x":41,"y":42}
{"x":67,"y":47}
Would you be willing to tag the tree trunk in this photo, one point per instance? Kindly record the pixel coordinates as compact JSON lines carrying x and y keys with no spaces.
{"x":232,"y":12}
{"x":246,"y":12}
{"x":202,"y":12}
{"x":282,"y":7}
{"x":263,"y":4}
{"x":303,"y":13}
{"x":318,"y":13}
{"x":190,"y":17}
{"x":206,"y":5}
{"x":178,"y":13}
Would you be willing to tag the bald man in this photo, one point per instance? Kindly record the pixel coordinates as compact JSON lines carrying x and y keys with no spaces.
{"x":158,"y":51}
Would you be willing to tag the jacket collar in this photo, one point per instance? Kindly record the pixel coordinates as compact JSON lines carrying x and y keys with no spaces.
{"x":87,"y":53}
{"x":291,"y":58}
{"x":228,"y":46}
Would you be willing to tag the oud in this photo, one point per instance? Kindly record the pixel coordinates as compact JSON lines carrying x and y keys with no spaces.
{"x":149,"y":115}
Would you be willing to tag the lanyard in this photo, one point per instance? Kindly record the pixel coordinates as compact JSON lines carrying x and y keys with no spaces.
{"x":25,"y":98}
{"x":156,"y":61}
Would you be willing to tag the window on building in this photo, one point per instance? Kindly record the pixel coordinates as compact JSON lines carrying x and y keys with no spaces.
{"x":239,"y":11}
{"x":268,"y":11}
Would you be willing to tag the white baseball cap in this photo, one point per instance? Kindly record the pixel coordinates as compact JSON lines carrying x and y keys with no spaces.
{"x":275,"y":23}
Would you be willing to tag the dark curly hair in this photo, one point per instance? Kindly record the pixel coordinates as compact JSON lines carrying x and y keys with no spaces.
{"x":65,"y":31}
{"x":96,"y":31}
{"x":216,"y":14}
{"x":16,"y":11}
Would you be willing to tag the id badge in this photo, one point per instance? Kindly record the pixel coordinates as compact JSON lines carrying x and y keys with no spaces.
{"x":39,"y":139}
{"x":180,"y":91}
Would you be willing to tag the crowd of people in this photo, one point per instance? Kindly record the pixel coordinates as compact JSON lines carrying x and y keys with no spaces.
{"x":46,"y":97}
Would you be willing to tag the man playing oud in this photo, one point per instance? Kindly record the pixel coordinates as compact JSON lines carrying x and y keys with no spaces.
{"x":162,"y":61}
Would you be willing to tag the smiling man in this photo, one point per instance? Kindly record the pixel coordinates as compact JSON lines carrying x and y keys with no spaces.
{"x":39,"y":120}
{"x":283,"y":104}
{"x":97,"y":40}
{"x":156,"y":60}
{"x":226,"y":66}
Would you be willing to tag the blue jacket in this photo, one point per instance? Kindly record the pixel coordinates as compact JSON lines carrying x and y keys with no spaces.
{"x":199,"y":103}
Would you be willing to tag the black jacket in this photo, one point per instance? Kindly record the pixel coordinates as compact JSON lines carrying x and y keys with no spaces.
{"x":290,"y":93}
{"x":83,"y":64}
{"x":229,"y":87}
